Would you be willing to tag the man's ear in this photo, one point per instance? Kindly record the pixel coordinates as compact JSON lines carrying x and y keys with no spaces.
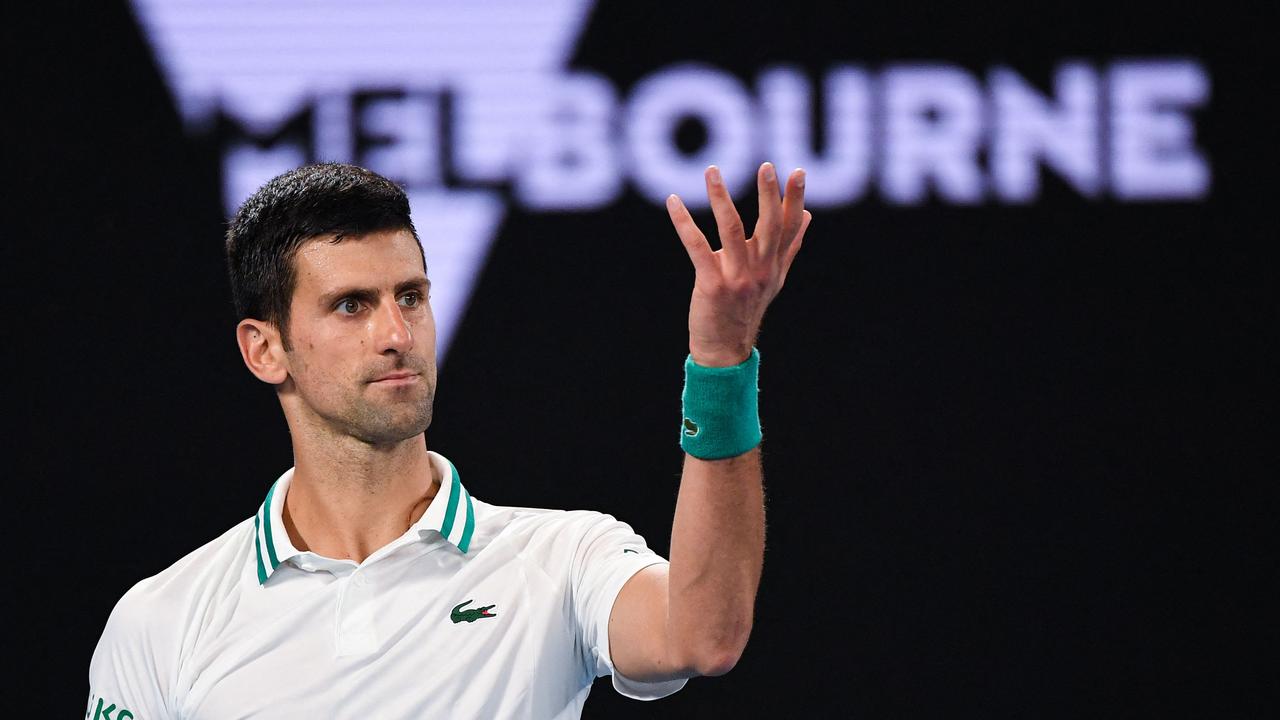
{"x":262,"y":350}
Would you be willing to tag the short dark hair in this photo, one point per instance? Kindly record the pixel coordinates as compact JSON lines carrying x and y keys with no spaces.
{"x":308,"y":202}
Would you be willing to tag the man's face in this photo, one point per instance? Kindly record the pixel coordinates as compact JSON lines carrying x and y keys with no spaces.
{"x":363,"y":338}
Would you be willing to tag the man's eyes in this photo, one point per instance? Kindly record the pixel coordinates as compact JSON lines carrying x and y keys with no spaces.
{"x":351,"y":306}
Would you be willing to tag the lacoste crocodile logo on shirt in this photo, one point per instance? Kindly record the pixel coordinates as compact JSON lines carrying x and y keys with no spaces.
{"x":471,"y":615}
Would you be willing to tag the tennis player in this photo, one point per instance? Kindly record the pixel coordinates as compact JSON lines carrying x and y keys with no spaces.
{"x":370,"y":583}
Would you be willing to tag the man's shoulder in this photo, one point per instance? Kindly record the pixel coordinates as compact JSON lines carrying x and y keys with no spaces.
{"x":531,"y":519}
{"x":552,"y":530}
{"x":204,"y":574}
{"x":153,"y":621}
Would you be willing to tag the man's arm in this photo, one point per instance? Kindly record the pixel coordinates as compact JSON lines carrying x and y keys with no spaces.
{"x":694,"y":617}
{"x":131,"y":669}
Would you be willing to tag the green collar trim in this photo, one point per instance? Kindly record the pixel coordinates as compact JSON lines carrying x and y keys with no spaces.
{"x":451,"y":513}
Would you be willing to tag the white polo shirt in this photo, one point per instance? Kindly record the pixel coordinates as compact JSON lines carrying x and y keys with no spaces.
{"x":477,"y":611}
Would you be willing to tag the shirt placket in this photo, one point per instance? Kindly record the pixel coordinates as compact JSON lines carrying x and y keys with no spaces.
{"x":356,"y":632}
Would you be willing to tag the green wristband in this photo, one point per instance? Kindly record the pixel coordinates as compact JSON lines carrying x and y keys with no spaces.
{"x":721,"y":419}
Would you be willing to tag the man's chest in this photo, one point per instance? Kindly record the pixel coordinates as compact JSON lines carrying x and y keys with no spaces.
{"x":413,"y":641}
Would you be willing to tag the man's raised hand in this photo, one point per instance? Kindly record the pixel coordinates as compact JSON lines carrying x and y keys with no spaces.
{"x":735,"y":284}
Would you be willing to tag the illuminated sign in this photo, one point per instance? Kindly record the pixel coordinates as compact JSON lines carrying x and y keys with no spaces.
{"x":458,"y":100}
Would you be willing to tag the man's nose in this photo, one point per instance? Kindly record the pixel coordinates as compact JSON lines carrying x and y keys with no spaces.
{"x":391,"y":332}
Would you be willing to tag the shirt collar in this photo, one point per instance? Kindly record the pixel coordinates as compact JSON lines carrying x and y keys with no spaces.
{"x":451,"y":513}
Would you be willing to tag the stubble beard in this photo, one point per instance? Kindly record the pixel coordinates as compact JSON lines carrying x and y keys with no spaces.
{"x":393,"y":422}
{"x":370,"y":415}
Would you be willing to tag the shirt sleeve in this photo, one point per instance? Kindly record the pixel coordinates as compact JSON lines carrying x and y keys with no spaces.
{"x":609,"y":554}
{"x":130,"y":670}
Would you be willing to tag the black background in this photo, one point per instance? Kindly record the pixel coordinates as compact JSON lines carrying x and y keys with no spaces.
{"x":1016,"y":456}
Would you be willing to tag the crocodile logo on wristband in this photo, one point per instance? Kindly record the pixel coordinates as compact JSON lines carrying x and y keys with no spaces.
{"x":690,"y":428}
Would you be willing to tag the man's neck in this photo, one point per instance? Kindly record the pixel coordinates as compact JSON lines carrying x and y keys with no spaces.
{"x":347,"y":498}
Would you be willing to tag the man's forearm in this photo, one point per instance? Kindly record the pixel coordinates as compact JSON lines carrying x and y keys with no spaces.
{"x":717,"y":549}
{"x":717,"y":539}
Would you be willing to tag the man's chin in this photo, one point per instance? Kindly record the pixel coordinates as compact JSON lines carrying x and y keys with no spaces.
{"x":389,"y":430}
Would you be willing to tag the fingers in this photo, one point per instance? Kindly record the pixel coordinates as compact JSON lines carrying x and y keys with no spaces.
{"x":794,"y":247}
{"x":793,"y":212}
{"x":769,"y":226}
{"x":695,"y":243}
{"x":732,"y":238}
{"x":779,"y":230}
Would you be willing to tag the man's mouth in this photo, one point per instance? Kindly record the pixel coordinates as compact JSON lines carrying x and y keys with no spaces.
{"x":400,"y":377}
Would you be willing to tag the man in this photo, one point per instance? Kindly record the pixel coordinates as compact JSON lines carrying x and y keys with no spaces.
{"x":370,"y":583}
